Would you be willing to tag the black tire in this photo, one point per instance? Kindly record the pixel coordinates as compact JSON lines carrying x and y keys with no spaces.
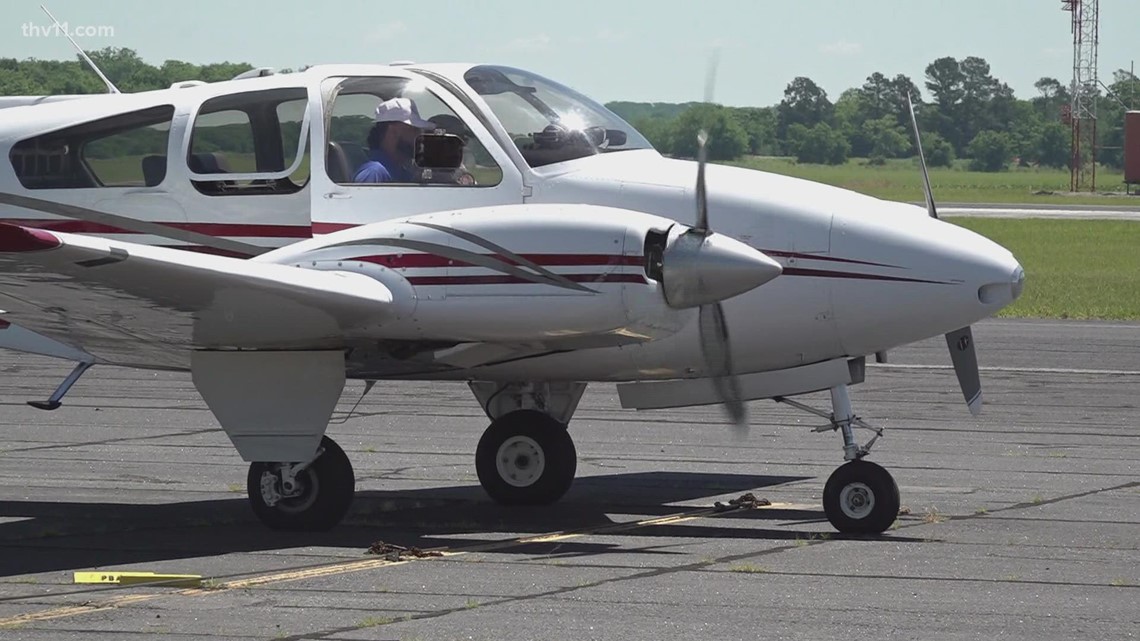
{"x":328,"y":485}
{"x":536,"y":449}
{"x":861,"y":498}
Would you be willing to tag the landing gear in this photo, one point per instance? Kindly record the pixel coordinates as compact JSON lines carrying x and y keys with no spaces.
{"x":526,"y":457}
{"x":860,"y":497}
{"x":310,"y":496}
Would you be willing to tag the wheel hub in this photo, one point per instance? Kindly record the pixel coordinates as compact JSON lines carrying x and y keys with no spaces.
{"x":520,"y":461}
{"x":301,"y":494}
{"x":856,"y":500}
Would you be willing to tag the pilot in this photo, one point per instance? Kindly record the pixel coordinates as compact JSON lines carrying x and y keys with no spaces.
{"x":392,"y":143}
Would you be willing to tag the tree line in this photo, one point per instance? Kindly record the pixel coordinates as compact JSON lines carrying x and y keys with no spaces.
{"x":969,"y":112}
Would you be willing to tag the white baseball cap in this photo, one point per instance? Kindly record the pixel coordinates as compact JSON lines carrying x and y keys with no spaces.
{"x":401,"y":110}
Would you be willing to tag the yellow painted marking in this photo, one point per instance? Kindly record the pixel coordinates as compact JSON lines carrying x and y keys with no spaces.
{"x":59,"y":613}
{"x":345,"y":567}
{"x":136,"y":578}
{"x":310,"y":573}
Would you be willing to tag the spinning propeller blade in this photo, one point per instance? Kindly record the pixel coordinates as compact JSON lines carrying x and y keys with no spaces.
{"x":715,"y":344}
{"x":960,"y":341}
{"x":965,"y":359}
{"x":921,"y":160}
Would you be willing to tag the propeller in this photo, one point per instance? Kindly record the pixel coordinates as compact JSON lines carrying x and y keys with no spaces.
{"x":960,"y":341}
{"x":715,"y":345}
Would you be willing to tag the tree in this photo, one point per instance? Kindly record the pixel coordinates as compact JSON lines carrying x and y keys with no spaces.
{"x":990,"y":151}
{"x":1052,"y":99}
{"x":805,"y":103}
{"x":759,"y":124}
{"x":937,"y":151}
{"x":901,"y":87}
{"x":851,"y":111}
{"x":878,"y":96}
{"x":945,"y":80}
{"x":1054,"y":145}
{"x":658,"y":131}
{"x":1124,"y":93}
{"x":727,"y":139}
{"x":886,"y":138}
{"x":819,"y":144}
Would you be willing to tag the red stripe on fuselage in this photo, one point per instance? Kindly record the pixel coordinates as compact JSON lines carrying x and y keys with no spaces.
{"x":397,"y":261}
{"x":490,"y":279}
{"x":328,"y":228}
{"x":824,"y":273}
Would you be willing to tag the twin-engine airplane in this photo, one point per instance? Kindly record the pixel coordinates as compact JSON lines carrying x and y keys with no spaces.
{"x":540,"y":244}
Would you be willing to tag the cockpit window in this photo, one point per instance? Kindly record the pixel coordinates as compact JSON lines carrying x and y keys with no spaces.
{"x":548,"y":122}
{"x":373,"y":123}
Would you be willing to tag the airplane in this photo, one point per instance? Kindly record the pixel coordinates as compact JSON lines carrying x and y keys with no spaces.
{"x":542,"y":245}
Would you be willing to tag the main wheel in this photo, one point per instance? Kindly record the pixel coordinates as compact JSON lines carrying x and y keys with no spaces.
{"x":322,"y":496}
{"x":526,"y":458}
{"x":861,"y":498}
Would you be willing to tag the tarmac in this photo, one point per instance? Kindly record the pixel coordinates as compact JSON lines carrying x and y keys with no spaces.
{"x":1127,"y":209}
{"x":1021,"y":523}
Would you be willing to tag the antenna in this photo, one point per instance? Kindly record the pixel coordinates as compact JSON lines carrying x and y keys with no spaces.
{"x":111,"y":88}
{"x":1082,"y":110}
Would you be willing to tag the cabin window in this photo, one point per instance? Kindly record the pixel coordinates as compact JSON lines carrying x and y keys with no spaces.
{"x":125,"y":150}
{"x":251,"y":143}
{"x":352,"y":137}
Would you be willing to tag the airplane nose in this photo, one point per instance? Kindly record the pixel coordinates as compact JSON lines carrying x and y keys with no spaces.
{"x":701,"y":268}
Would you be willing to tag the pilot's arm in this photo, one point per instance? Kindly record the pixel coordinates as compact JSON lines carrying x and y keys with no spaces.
{"x":372,"y":172}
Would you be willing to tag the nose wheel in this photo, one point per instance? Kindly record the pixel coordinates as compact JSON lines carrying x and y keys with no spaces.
{"x":861,"y":497}
{"x":308,"y":497}
{"x":526,"y":457}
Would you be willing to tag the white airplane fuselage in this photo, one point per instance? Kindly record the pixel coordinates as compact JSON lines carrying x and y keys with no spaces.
{"x":861,"y":275}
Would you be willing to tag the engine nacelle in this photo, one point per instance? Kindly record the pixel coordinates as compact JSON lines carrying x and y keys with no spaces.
{"x":571,"y":275}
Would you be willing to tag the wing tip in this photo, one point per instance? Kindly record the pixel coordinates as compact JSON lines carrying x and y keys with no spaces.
{"x":14,"y":238}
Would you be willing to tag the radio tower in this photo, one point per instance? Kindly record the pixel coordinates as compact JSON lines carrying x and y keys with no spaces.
{"x":1084,"y":89}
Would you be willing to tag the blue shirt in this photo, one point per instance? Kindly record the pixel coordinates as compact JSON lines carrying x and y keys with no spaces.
{"x":381,"y":168}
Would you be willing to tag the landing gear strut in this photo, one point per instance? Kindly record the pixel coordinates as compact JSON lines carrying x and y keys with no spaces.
{"x":860,"y":497}
{"x":308,"y":496}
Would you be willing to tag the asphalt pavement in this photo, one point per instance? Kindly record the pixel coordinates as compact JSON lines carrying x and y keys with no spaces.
{"x":1127,"y":210}
{"x":1021,"y":523}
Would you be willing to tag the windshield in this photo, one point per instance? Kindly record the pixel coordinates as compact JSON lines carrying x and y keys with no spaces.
{"x":548,"y":122}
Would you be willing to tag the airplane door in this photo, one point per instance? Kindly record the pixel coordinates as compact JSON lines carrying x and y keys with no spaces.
{"x":242,"y":168}
{"x":342,"y":147}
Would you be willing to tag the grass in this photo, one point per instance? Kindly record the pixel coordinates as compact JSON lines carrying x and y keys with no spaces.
{"x":932,"y":515}
{"x":372,"y":622}
{"x":1079,"y":269}
{"x":902,"y":180}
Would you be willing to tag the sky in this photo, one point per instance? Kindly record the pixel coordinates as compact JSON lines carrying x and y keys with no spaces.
{"x":639,"y":50}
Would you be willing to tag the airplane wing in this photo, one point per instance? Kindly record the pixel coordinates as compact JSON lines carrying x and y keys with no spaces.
{"x":134,"y":304}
